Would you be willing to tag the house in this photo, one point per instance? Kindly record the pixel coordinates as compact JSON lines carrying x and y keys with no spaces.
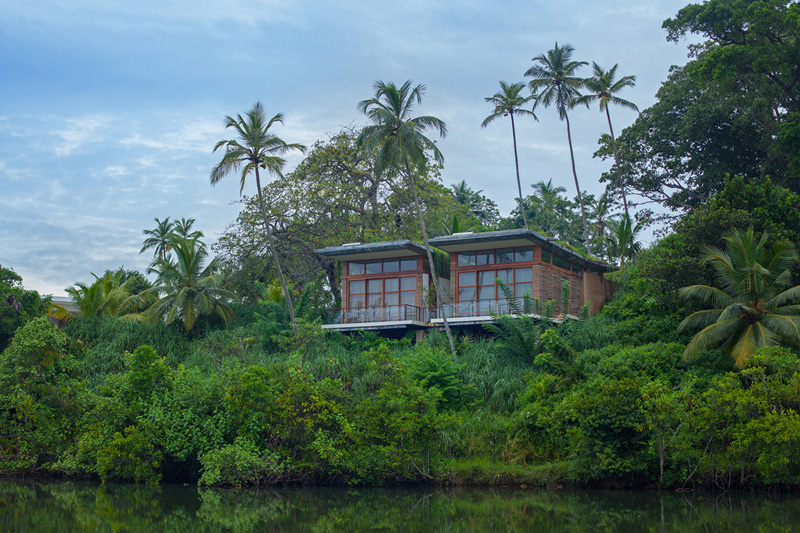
{"x":385,"y":286}
{"x":527,"y":263}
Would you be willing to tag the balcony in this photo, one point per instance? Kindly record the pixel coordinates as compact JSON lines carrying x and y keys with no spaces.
{"x":377,"y":317}
{"x":473,"y":313}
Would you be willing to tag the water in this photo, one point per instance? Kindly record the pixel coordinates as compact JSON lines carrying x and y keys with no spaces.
{"x":69,"y":506}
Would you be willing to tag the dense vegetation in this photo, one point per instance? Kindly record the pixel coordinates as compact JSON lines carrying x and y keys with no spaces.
{"x":219,"y":372}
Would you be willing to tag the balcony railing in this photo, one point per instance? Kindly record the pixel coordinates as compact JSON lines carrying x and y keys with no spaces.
{"x":385,"y":313}
{"x":485,"y":307}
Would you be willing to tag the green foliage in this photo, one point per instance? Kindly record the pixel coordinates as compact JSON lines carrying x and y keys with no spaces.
{"x":17,"y":305}
{"x":115,"y":294}
{"x":130,"y":455}
{"x":240,"y":463}
{"x":107,"y":340}
{"x":610,"y":426}
{"x":747,"y":424}
{"x":38,"y":402}
{"x":752,"y":305}
{"x":434,"y":369}
{"x":187,"y":287}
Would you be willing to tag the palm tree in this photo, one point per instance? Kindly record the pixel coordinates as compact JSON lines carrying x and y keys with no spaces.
{"x":187,"y":289}
{"x":107,"y":296}
{"x":601,"y":217}
{"x":551,"y":200}
{"x":506,"y":102}
{"x":183,"y":228}
{"x":754,"y":305}
{"x":159,"y":238}
{"x":254,"y":148}
{"x":623,"y":243}
{"x":604,"y":88}
{"x":401,"y":146}
{"x":554,"y":79}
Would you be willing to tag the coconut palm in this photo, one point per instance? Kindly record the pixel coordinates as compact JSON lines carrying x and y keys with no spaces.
{"x":107,"y":296}
{"x":554,"y":83}
{"x":601,"y":216}
{"x":159,"y":238}
{"x":256,"y":148}
{"x":551,"y":207}
{"x":402,"y":146}
{"x":183,"y":228}
{"x":623,"y":235}
{"x":507,"y":102}
{"x":604,"y":87}
{"x":188,"y":289}
{"x":754,"y":304}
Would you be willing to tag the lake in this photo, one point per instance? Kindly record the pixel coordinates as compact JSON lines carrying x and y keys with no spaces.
{"x":72,"y":506}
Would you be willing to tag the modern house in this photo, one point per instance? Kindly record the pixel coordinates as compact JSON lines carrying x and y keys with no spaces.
{"x":527,"y":263}
{"x":387,"y":285}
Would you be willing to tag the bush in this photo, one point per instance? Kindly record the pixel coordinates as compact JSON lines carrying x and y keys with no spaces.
{"x":241,"y":463}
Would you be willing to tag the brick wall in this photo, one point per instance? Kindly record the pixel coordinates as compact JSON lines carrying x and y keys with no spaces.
{"x":547,"y":282}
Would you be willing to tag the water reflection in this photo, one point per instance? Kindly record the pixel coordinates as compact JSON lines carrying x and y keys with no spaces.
{"x":68,"y":506}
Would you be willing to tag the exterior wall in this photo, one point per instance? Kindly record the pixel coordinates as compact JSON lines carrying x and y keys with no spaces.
{"x":585,"y":285}
{"x":547,"y":280}
{"x":597,"y":290}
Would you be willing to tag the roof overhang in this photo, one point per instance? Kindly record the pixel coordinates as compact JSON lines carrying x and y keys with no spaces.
{"x":462,"y":242}
{"x":375,"y":250}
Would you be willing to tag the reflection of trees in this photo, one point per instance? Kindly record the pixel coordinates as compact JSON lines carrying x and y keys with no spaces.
{"x":242,"y":510}
{"x":88,"y":507}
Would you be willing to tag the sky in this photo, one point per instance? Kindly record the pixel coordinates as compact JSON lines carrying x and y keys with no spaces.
{"x":109,"y":109}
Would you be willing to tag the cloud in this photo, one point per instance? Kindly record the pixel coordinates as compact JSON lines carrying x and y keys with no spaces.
{"x":115,"y":171}
{"x":79,"y":132}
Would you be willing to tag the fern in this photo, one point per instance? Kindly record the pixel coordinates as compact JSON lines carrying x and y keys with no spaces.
{"x":518,"y":332}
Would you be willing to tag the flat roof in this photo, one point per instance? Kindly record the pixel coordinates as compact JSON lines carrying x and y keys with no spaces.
{"x":462,"y":242}
{"x":373,"y":250}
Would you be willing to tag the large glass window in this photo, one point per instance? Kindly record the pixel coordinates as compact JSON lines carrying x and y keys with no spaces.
{"x":545,"y":256}
{"x":408,"y":264}
{"x":485,"y":257}
{"x":523,"y":254}
{"x":523,"y":282}
{"x":504,"y":255}
{"x":481,"y":287}
{"x":357,"y":294}
{"x":467,"y":259}
{"x":560,"y":262}
{"x":383,"y":293}
{"x":378,"y":266}
{"x":391,"y":265}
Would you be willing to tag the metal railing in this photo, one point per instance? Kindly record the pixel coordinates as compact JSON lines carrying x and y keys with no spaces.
{"x":383,"y":313}
{"x":485,"y":307}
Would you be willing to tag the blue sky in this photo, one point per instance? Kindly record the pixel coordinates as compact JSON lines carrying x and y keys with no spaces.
{"x":109,"y":110}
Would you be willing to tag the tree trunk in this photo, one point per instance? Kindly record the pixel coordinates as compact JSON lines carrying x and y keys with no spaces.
{"x":577,"y":186}
{"x":274,"y":251}
{"x":516,"y":163}
{"x":616,"y":161}
{"x":439,"y":302}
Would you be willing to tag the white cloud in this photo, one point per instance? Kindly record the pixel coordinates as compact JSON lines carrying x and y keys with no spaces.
{"x":79,"y":132}
{"x":115,"y":171}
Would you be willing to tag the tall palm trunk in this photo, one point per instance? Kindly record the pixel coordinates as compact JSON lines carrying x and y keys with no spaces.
{"x":616,"y":160}
{"x":578,"y":187}
{"x":274,"y":251}
{"x":516,"y":162}
{"x":439,"y":302}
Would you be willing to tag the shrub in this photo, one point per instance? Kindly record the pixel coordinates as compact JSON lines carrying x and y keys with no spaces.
{"x":241,"y":463}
